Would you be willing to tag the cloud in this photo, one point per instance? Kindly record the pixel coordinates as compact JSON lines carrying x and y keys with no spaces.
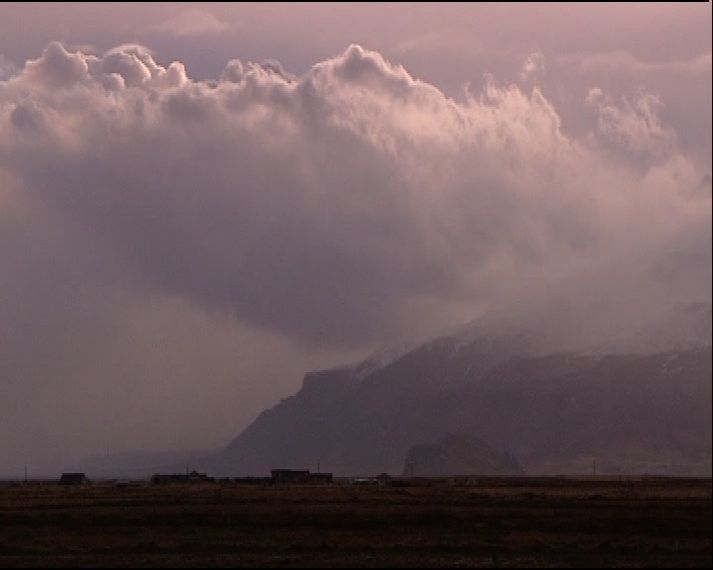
{"x":192,"y":24}
{"x":626,"y":61}
{"x":442,"y":40}
{"x":7,"y":68}
{"x":194,"y":246}
{"x":534,"y":65}
{"x":326,"y":206}
{"x":635,"y":126}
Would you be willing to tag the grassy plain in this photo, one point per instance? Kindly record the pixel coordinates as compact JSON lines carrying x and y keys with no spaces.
{"x":496,"y":523}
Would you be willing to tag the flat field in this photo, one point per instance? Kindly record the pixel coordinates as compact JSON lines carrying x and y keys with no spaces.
{"x":495,"y":523}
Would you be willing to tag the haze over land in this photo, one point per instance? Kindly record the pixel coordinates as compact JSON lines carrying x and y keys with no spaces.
{"x":184,"y":232}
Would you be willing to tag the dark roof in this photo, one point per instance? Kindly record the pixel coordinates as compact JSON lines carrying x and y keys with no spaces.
{"x":73,"y":478}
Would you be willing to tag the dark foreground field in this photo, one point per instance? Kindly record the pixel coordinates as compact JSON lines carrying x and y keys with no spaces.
{"x":506,"y":524}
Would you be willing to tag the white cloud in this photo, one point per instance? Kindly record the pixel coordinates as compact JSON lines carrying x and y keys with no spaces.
{"x":323,"y":206}
{"x":191,"y":24}
{"x":624,"y":60}
{"x":635,"y":126}
{"x":534,"y":65}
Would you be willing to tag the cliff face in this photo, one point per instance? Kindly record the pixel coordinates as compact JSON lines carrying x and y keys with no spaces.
{"x":459,"y":454}
{"x":631,"y":413}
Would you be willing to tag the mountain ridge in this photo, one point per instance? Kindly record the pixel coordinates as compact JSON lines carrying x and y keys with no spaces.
{"x":353,"y":425}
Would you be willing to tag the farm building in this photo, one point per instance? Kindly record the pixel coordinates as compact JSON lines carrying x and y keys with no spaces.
{"x":73,"y":479}
{"x":384,"y":480}
{"x":290,"y":476}
{"x":299,"y":477}
{"x":192,"y":477}
{"x":320,"y":478}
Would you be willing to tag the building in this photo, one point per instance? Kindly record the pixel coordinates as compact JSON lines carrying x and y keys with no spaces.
{"x":299,"y":477}
{"x":384,"y":480}
{"x":246,"y":480}
{"x":320,"y":478}
{"x":73,"y":479}
{"x":289,"y":476}
{"x":362,"y":481}
{"x":192,"y":477}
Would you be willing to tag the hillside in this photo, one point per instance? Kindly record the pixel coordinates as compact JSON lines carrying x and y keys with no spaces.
{"x":631,"y":413}
{"x":458,"y":454}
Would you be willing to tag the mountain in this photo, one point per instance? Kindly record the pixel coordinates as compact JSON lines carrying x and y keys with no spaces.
{"x":458,"y":454}
{"x":556,"y":413}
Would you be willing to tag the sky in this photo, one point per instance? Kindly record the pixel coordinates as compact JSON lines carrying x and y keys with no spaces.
{"x":201,"y":202}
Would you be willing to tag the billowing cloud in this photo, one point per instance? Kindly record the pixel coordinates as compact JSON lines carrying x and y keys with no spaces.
{"x":326,"y":206}
{"x":7,"y":68}
{"x":335,"y":210}
{"x":533,"y":66}
{"x":634,"y":127}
